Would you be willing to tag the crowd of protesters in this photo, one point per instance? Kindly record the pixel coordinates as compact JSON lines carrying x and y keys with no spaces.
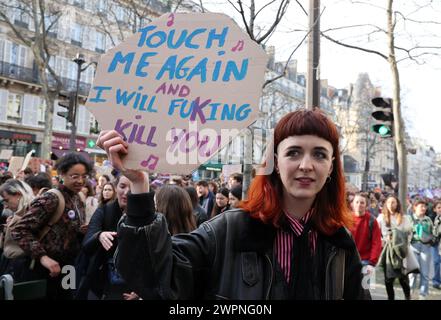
{"x":84,"y":235}
{"x":132,"y":236}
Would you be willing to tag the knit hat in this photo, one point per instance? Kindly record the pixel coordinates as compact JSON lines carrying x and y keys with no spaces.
{"x":237,"y":192}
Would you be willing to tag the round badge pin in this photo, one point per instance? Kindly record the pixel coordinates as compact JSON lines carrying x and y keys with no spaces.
{"x":71,"y":214}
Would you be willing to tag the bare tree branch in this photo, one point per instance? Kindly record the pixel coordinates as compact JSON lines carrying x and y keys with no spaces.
{"x":280,"y":13}
{"x":260,"y":10}
{"x":353,"y":47}
{"x":18,"y":34}
{"x":267,"y":82}
{"x":202,"y":6}
{"x":242,"y":14}
{"x":303,"y":9}
{"x":355,"y":26}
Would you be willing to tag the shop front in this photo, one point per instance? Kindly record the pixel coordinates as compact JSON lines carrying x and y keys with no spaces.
{"x":61,"y":145}
{"x":19,"y":142}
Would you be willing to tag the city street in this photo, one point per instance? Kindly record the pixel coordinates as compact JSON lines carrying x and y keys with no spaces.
{"x":379,"y":292}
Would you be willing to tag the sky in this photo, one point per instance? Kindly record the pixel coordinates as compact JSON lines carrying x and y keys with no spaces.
{"x":420,"y":83}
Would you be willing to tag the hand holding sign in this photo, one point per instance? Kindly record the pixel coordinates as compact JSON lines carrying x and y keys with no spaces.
{"x":116,"y":148}
{"x":177,"y":91}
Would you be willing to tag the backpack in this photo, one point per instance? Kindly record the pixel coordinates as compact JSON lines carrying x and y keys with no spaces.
{"x":371,"y":225}
{"x":11,"y":249}
{"x":418,"y":232}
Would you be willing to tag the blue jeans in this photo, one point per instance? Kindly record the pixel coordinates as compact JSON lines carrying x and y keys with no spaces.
{"x":423,"y":255}
{"x":436,"y":281}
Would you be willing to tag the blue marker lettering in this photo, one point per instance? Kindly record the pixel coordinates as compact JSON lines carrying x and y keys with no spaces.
{"x":232,"y":68}
{"x":144,"y":63}
{"x":119,"y":58}
{"x":121,"y":96}
{"x":200,"y":69}
{"x":99,"y":90}
{"x":188,"y":41}
{"x":143,"y":35}
{"x":220,"y":37}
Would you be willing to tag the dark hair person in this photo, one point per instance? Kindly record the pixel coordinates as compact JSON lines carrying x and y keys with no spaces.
{"x":175,"y":204}
{"x":62,"y":242}
{"x":287,"y":241}
{"x":198,"y":211}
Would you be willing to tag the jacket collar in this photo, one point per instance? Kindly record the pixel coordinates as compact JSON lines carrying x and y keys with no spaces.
{"x":258,"y":236}
{"x":341,"y":239}
{"x":255,"y":235}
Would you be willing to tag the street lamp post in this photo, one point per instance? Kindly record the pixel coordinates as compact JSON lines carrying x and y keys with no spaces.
{"x":79,"y":60}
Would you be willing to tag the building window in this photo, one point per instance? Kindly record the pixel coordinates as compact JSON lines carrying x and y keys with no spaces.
{"x":41,"y":111}
{"x":79,"y":3}
{"x":14,"y":106}
{"x":51,"y":25}
{"x":120,"y":14}
{"x":101,"y":6}
{"x":100,"y":44}
{"x":77,"y":34}
{"x":21,"y":17}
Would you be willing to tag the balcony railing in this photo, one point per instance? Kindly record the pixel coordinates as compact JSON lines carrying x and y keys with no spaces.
{"x":29,"y":75}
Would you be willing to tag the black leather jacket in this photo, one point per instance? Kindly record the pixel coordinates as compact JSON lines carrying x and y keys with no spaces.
{"x":227,"y":257}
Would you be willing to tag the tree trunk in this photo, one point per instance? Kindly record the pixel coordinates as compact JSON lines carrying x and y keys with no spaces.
{"x":247,"y":166}
{"x":49,"y":97}
{"x":399,"y":136}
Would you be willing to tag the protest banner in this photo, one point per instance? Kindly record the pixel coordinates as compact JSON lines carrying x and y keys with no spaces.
{"x":179,"y":90}
{"x":15,"y":164}
{"x":27,"y":159}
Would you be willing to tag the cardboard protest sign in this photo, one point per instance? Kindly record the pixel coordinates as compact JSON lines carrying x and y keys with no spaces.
{"x":5,"y":154}
{"x":27,"y":159}
{"x":15,"y":164}
{"x":179,"y":90}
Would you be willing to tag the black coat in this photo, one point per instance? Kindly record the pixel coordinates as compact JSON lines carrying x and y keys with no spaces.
{"x":94,"y":257}
{"x":228,"y":257}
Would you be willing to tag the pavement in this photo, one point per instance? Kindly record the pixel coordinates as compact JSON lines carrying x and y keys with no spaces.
{"x":378,"y":290}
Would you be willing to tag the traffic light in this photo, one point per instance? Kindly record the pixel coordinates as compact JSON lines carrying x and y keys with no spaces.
{"x":383,"y":113}
{"x":67,"y":102}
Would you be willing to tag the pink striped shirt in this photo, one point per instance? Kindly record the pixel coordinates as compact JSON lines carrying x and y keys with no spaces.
{"x":284,"y":241}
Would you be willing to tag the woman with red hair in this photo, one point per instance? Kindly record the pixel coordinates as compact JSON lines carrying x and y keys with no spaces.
{"x":288,"y":240}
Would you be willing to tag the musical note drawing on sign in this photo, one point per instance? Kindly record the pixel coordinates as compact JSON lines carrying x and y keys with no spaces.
{"x":150,"y":163}
{"x":238,"y":46}
{"x":171,"y":20}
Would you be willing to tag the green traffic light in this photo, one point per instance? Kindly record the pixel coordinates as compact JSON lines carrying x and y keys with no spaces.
{"x":383,"y":130}
{"x":91,"y":143}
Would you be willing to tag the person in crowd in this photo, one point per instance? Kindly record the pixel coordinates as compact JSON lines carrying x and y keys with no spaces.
{"x":40,"y":183}
{"x":213,"y":187}
{"x":17,"y":197}
{"x":156,"y":184}
{"x":235,"y":180}
{"x":102,"y":180}
{"x":199,"y":212}
{"x":176,"y":180}
{"x":90,"y":201}
{"x":24,"y":174}
{"x":374,"y":210}
{"x":288,"y":241}
{"x":175,"y":204}
{"x":62,"y":243}
{"x":235,"y":196}
{"x":436,"y":280}
{"x":108,"y":194}
{"x":221,"y":204}
{"x":421,"y":245}
{"x":390,"y":220}
{"x":206,"y":197}
{"x":366,"y":233}
{"x":99,"y":277}
{"x":55,"y":181}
